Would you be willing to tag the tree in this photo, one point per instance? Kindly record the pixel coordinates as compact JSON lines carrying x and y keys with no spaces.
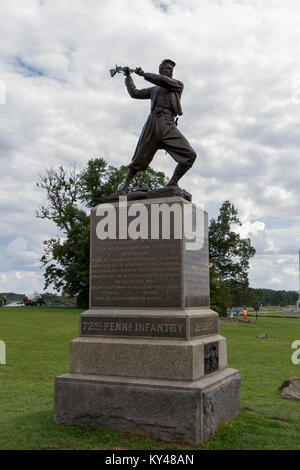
{"x":220,"y":295}
{"x":271,"y":297}
{"x":98,"y":181}
{"x":69,"y":194}
{"x":229,"y":256}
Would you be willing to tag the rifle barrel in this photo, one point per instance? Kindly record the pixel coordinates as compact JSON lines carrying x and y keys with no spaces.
{"x":119,"y":69}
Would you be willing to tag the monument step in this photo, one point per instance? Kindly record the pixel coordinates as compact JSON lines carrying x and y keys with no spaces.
{"x":185,"y":410}
{"x":148,"y":358}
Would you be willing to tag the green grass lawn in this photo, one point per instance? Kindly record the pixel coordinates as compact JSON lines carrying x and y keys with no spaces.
{"x":275,"y":314}
{"x":37,"y":346}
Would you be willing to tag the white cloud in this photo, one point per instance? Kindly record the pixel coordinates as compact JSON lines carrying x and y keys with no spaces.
{"x":18,"y":252}
{"x":275,"y":271}
{"x":259,"y":236}
{"x":239,"y":61}
{"x":21,"y":282}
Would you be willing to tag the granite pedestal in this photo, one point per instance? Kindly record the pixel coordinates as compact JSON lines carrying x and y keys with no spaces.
{"x":149,"y":358}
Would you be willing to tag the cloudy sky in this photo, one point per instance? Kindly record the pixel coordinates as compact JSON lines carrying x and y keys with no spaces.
{"x":240,"y":64}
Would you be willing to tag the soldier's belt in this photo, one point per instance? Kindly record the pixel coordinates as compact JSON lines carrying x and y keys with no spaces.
{"x":160,"y":112}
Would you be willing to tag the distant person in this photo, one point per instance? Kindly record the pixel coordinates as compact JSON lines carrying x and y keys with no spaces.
{"x":245,"y":313}
{"x":4,"y":300}
{"x":231,"y":312}
{"x":25,"y":300}
{"x":237,"y":312}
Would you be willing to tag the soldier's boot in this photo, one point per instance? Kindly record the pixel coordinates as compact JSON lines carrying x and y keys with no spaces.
{"x":124,"y":187}
{"x":179,"y":171}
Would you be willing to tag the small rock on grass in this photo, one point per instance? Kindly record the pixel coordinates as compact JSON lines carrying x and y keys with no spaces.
{"x":263,"y":336}
{"x":290,"y":389}
{"x":284,"y":384}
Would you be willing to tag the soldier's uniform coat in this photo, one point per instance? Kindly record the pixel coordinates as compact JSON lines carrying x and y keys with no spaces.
{"x":160,"y":131}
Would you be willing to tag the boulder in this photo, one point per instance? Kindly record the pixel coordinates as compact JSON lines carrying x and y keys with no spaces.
{"x":263,"y":336}
{"x":291,"y":389}
{"x":284,"y":384}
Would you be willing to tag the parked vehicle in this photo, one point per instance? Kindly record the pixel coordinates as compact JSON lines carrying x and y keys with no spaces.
{"x":28,"y":302}
{"x":15,"y":304}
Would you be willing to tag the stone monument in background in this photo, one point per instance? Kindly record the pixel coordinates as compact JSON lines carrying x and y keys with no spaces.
{"x":149,"y":358}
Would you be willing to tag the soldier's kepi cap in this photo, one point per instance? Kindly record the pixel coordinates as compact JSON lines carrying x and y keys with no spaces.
{"x":167,"y":61}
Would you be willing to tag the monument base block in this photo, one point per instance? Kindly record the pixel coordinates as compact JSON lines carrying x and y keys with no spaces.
{"x":189,"y":411}
{"x":149,"y":358}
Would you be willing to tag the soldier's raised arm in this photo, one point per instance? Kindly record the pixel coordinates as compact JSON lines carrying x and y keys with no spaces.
{"x":142,"y":94}
{"x":161,"y":80}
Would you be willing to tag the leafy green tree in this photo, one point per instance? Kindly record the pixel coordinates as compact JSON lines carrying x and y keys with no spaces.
{"x":229,"y":256}
{"x":98,"y":181}
{"x":220,"y":295}
{"x":69,"y":195}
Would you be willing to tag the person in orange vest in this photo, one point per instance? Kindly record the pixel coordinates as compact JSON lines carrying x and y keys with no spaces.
{"x":245,"y":313}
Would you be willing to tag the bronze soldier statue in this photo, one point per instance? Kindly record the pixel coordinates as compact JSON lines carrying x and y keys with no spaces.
{"x":160,"y":130}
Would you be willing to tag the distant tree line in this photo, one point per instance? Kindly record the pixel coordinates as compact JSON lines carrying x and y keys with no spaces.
{"x":12,"y":297}
{"x":281,"y":298}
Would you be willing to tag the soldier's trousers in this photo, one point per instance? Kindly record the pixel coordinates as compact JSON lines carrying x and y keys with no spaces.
{"x":160,"y":132}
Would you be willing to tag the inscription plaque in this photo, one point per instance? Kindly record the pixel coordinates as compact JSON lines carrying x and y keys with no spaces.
{"x":136,"y":273}
{"x":148,"y":272}
{"x":204,"y":326}
{"x":148,"y":326}
{"x":196,"y":267}
{"x":163,"y":327}
{"x":211,"y":358}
